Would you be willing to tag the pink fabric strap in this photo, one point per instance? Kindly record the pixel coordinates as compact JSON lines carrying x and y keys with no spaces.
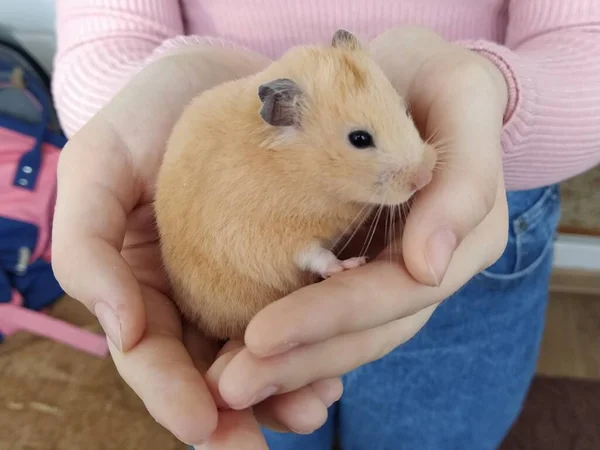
{"x":16,"y":318}
{"x":8,"y":328}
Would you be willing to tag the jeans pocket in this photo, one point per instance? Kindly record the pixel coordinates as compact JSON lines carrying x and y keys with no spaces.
{"x":533,"y":220}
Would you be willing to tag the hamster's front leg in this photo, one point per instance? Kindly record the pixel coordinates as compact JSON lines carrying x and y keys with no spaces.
{"x":319,"y":260}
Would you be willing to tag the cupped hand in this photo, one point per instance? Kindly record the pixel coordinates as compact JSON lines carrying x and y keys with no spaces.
{"x":105,"y":254}
{"x":456,"y":227}
{"x":458,"y":99}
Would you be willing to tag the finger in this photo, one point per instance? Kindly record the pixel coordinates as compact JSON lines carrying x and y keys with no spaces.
{"x":329,"y":390}
{"x":94,"y":194}
{"x":302,"y":411}
{"x":371,"y":295}
{"x":161,"y":372}
{"x":236,"y":430}
{"x":247,"y":378}
{"x":467,"y":122}
{"x":224,"y":357}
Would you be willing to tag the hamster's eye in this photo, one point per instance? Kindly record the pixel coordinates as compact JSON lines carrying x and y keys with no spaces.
{"x":361,"y":139}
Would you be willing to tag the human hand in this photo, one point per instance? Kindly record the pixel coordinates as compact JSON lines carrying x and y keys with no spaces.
{"x":457,"y":98}
{"x":105,"y":254}
{"x":333,"y":327}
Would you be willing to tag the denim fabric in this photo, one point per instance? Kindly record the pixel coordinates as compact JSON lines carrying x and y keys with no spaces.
{"x":460,"y":382}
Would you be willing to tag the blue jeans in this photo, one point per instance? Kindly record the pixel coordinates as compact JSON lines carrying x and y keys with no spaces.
{"x":460,"y":382}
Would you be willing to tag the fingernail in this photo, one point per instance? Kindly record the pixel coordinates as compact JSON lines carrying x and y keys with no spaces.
{"x":110,"y":323}
{"x":259,"y":397}
{"x":301,"y":432}
{"x":440,"y":247}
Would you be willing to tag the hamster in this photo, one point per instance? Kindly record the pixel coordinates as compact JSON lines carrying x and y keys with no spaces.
{"x":263,"y":175}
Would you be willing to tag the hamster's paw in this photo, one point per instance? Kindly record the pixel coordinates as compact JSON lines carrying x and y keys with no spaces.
{"x":323,"y":262}
{"x":346,"y":264}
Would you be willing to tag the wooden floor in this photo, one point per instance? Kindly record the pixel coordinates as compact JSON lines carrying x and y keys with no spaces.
{"x":571,"y":345}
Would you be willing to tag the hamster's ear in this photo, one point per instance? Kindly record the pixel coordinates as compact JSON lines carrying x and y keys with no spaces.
{"x":280,"y":102}
{"x":345,"y":39}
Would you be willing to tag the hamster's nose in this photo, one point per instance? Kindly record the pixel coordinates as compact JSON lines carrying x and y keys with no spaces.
{"x":420,"y":178}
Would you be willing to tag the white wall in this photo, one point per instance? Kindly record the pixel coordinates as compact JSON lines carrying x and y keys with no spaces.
{"x":31,"y":22}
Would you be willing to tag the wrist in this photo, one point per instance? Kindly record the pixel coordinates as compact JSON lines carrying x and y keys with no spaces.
{"x":499,"y":81}
{"x":501,"y":73}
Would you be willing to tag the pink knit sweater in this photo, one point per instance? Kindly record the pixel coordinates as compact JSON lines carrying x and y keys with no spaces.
{"x":548,"y":50}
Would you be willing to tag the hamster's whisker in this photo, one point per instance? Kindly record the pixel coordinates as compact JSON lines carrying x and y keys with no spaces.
{"x":386,"y":229}
{"x":356,"y":229}
{"x":389,"y":224}
{"x":396,"y":225}
{"x":391,"y":242}
{"x":373,"y":228}
{"x":435,"y":134}
{"x":443,"y":158}
{"x":404,"y":210}
{"x":370,"y":208}
{"x":387,"y":235}
{"x":443,"y":148}
{"x":393,"y":238}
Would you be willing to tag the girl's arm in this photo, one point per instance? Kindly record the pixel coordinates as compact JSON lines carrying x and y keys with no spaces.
{"x":102,"y":44}
{"x":551,"y":60}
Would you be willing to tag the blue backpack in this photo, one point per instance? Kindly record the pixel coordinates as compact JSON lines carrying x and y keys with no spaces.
{"x":30,"y":142}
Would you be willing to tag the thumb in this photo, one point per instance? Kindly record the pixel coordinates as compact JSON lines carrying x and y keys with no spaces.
{"x":468,"y":172}
{"x":95,"y":192}
{"x":444,"y":213}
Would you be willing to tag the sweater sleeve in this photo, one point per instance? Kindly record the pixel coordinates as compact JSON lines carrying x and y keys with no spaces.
{"x":551,"y":62}
{"x":102,"y":44}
